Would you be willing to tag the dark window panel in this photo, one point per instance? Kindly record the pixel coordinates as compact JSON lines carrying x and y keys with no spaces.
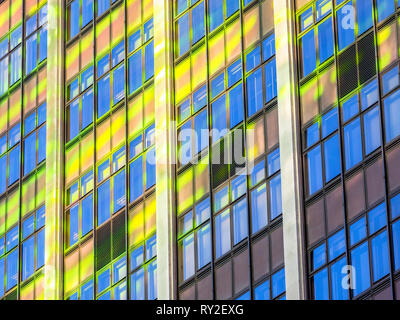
{"x":204,"y":288}
{"x":260,"y":257}
{"x":375,"y":182}
{"x":315,"y":222}
{"x":277,"y":248}
{"x":272,"y":128}
{"x":366,"y":58}
{"x":223,"y":281}
{"x":393,"y":168}
{"x":118,"y":237}
{"x":188,"y":293}
{"x":103,"y":246}
{"x":334,"y":209}
{"x":348,"y":79}
{"x":241,"y":271}
{"x":385,"y":294}
{"x":355,"y":196}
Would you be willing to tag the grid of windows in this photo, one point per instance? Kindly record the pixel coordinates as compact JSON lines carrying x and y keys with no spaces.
{"x":229,"y":214}
{"x":23,"y":52}
{"x":348,"y":83}
{"x":109,"y":151}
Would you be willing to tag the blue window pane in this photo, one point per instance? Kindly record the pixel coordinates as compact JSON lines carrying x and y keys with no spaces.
{"x":43,"y":44}
{"x":149,"y":136}
{"x":41,"y":114}
{"x":103,"y":96}
{"x":149,"y":61}
{"x":87,"y":214}
{"x":87,"y":183}
{"x":119,"y":191}
{"x":72,"y":118}
{"x":103,"y":65}
{"x":2,"y":249}
{"x":202,"y":211}
{"x":240,"y":226}
{"x":150,"y":168}
{"x":136,"y":179}
{"x":119,"y":270}
{"x":369,"y":94}
{"x":278,"y":283}
{"x":118,"y":84}
{"x":219,"y":118}
{"x":12,"y":238}
{"x":3,"y":75}
{"x":352,"y":143}
{"x":28,"y":258}
{"x":253,"y":59}
{"x":134,"y":41}
{"x":258,"y":173}
{"x":268,"y":47}
{"x":275,"y":197}
{"x":314,"y":170}
{"x":3,"y":144}
{"x":217,"y":85}
{"x":137,"y":258}
{"x":41,"y":247}
{"x":337,"y":276}
{"x":380,"y":256}
{"x":43,"y":15}
{"x":201,"y":130}
{"x":231,"y":7}
{"x":30,"y":123}
{"x":323,"y":7}
{"x":216,"y":13}
{"x":87,"y":108}
{"x":188,"y":257}
{"x":183,"y":34}
{"x":151,"y":247}
{"x":245,"y":296}
{"x":14,"y":135}
{"x":31,"y":54}
{"x":332,"y":158}
{"x":87,"y":291}
{"x":396,"y":244}
{"x":274,"y":162}
{"x":152,"y":281}
{"x":325,"y":37}
{"x":234,"y":72}
{"x":118,"y":159}
{"x":73,"y":19}
{"x":41,"y":144}
{"x":236,"y":109}
{"x":103,"y":280}
{"x":319,"y":256}
{"x":15,"y":66}
{"x":105,"y":296}
{"x":329,"y":122}
{"x":185,"y":138}
{"x":203,"y":246}
{"x":3,"y":47}
{"x":321,"y":285}
{"x":360,"y":262}
{"x":103,"y":170}
{"x":2,"y":273}
{"x":120,"y":291}
{"x":102,"y":6}
{"x":395,"y":206}
{"x":336,"y":245}
{"x":222,"y":234}
{"x":117,"y":54}
{"x":306,"y":19}
{"x":135,"y":71}
{"x":28,"y":226}
{"x":390,"y":80}
{"x":392,"y":110}
{"x":73,"y":225}
{"x":87,"y":15}
{"x":385,"y":9}
{"x":199,"y":99}
{"x":254,"y":92}
{"x":270,"y":80}
{"x":29,"y":153}
{"x":15,"y":37}
{"x":198,"y":24}
{"x":261,"y":292}
{"x":358,"y":231}
{"x":221,"y":198}
{"x":313,"y":134}
{"x":259,"y":215}
{"x":40,"y":217}
{"x":350,"y":108}
{"x":137,"y":285}
{"x":308,"y":53}
{"x":31,"y":25}
{"x":372,"y":130}
{"x":103,"y":203}
{"x":377,"y":218}
{"x":364,"y":15}
{"x":346,"y":28}
{"x":12,"y":270}
{"x":148,"y":30}
{"x":3,"y":173}
{"x":13,"y":171}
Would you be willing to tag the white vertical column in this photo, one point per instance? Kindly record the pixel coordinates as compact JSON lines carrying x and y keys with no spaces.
{"x":290,"y":149}
{"x":54,"y":155}
{"x":165,"y":151}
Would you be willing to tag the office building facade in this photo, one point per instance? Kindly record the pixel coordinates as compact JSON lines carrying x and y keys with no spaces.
{"x":199,"y":149}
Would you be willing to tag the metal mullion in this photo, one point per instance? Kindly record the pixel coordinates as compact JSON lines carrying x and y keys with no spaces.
{"x":384,"y":160}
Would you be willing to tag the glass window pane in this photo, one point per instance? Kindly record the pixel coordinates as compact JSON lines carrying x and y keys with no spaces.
{"x":222,"y":234}
{"x":259,"y":207}
{"x":352,"y":143}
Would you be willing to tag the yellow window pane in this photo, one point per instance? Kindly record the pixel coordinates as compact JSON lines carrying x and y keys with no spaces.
{"x":30,"y":7}
{"x":182,"y":80}
{"x":4,"y":17}
{"x":87,"y":260}
{"x":233,"y":41}
{"x":327,"y":88}
{"x":216,"y":52}
{"x":28,"y":195}
{"x":30,"y":94}
{"x":251,"y":27}
{"x":12,"y":209}
{"x":202,"y":182}
{"x":28,"y":291}
{"x":103,"y":36}
{"x":149,"y":106}
{"x":86,"y":50}
{"x":71,"y":271}
{"x":185,"y":190}
{"x":41,"y":187}
{"x":135,"y":115}
{"x":150,"y":215}
{"x":255,"y":139}
{"x":2,"y":216}
{"x":16,"y":12}
{"x":3,"y":112}
{"x":103,"y":139}
{"x":136,"y":225}
{"x":199,"y":67}
{"x":309,"y":100}
{"x":42,"y":86}
{"x":39,"y":287}
{"x":267,"y":13}
{"x":388,"y":48}
{"x":14,"y":111}
{"x":117,"y":25}
{"x":134,"y":10}
{"x":72,"y":164}
{"x":87,"y":152}
{"x":72,"y":61}
{"x":118,"y":127}
{"x":147,"y":9}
